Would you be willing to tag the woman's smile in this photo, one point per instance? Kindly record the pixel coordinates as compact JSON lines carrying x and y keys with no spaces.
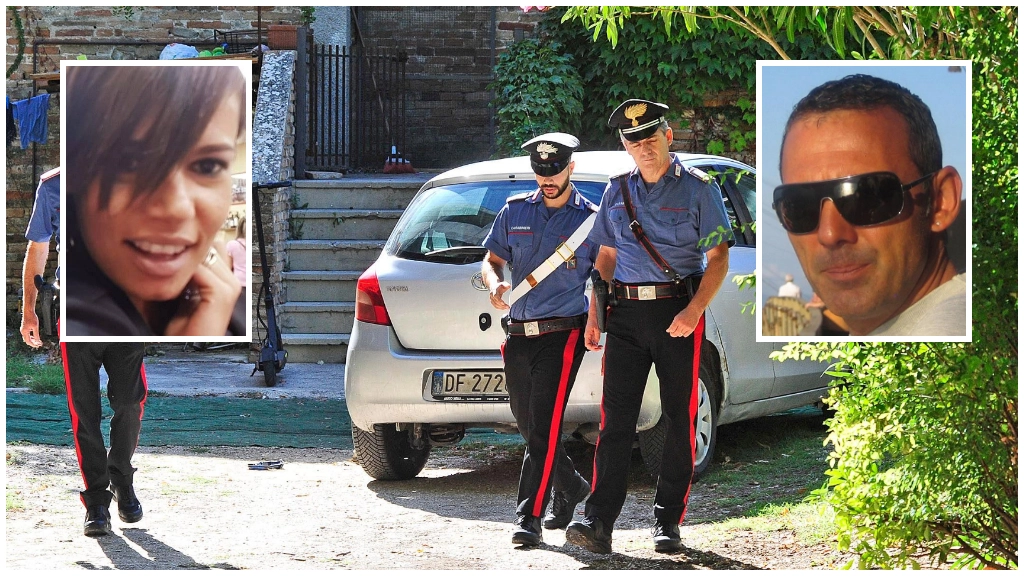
{"x":159,"y":249}
{"x":160,"y":260}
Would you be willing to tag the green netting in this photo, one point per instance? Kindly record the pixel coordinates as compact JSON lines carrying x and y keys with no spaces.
{"x":190,"y":421}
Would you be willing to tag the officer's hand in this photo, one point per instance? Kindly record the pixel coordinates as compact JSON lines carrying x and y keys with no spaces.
{"x":592,"y":335}
{"x":685,"y":322}
{"x":212,"y":293}
{"x":496,"y":294}
{"x":30,"y":329}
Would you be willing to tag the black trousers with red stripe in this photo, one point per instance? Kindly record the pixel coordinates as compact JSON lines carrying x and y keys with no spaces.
{"x":126,"y":391}
{"x":540,"y":372}
{"x":636,"y":339}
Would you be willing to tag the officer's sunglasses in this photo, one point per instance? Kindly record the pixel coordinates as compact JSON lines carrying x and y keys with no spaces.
{"x":862,"y":200}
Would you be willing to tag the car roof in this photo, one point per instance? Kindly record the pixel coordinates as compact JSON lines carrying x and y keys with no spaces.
{"x":595,"y":165}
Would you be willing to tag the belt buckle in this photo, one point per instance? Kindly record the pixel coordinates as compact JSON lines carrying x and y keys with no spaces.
{"x":531,"y":328}
{"x":646,"y":292}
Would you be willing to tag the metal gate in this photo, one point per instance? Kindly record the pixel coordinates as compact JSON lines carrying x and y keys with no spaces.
{"x":356,"y":107}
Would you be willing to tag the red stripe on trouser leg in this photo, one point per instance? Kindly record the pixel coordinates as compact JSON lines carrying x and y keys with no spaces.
{"x":145,"y":394}
{"x":568,"y":355}
{"x":71,"y":410}
{"x":698,"y":337}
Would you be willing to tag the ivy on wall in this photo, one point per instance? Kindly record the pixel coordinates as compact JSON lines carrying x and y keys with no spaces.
{"x":706,"y":77}
{"x":19,"y":27}
{"x":537,"y":89}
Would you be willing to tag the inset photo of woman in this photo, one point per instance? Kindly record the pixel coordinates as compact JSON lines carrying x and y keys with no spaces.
{"x":153,"y":156}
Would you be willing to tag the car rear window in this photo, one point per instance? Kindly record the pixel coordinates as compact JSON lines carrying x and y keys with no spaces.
{"x":449,"y":223}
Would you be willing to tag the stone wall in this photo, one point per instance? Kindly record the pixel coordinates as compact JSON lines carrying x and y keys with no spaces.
{"x":450,"y":65}
{"x":273,"y":159}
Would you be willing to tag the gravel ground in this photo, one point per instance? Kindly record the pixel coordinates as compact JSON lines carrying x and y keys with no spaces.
{"x":205,"y":509}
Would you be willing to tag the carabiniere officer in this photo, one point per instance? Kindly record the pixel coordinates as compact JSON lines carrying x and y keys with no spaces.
{"x":545,"y":345}
{"x":659,"y":317}
{"x":106,"y":474}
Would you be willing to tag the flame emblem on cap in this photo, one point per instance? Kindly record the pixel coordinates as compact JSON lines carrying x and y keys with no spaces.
{"x":544,"y":149}
{"x":635,"y":111}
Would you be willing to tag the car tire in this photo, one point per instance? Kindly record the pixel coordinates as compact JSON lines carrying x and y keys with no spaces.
{"x":652,"y":441}
{"x":388,"y":454}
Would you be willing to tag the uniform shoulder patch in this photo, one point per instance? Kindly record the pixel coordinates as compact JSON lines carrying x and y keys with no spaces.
{"x":698,"y":174}
{"x":519,"y":197}
{"x":50,"y":174}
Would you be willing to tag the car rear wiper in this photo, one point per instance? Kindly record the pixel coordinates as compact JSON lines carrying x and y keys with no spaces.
{"x":459,"y":250}
{"x":465,"y":254}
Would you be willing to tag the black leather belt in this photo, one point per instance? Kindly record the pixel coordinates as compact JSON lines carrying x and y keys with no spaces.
{"x":649,"y":291}
{"x":538,"y":327}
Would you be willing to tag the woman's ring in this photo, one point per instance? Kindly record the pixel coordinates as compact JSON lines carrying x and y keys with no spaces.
{"x":211,"y":257}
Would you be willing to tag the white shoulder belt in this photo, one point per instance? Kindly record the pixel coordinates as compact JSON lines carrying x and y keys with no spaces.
{"x":565,"y":252}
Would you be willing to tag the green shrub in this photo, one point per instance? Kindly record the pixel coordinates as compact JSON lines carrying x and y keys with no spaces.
{"x":925,"y":453}
{"x":536,"y":90}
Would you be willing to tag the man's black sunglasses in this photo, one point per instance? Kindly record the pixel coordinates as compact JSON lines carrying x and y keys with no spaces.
{"x":862,"y":200}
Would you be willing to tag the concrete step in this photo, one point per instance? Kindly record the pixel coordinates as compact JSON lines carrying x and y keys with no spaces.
{"x":342,"y":227}
{"x":336,"y":224}
{"x":321,"y":285}
{"x":378,"y":192}
{"x":328,"y":348}
{"x":317,"y":317}
{"x":332,"y":254}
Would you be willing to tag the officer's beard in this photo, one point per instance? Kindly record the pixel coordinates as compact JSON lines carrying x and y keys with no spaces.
{"x":556,"y":196}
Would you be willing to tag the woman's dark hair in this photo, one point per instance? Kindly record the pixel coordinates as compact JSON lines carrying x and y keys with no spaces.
{"x":863,"y":92}
{"x":107,"y":105}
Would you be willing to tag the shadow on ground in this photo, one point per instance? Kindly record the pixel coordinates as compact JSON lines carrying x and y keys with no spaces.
{"x":687,"y":559}
{"x":161,"y":556}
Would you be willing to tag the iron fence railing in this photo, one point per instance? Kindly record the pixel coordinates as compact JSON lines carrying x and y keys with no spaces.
{"x":356,"y":107}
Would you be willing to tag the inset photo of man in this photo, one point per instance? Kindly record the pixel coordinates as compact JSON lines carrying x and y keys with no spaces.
{"x":864,"y":201}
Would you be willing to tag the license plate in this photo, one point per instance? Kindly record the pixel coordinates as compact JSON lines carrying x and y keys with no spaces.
{"x":468,"y":385}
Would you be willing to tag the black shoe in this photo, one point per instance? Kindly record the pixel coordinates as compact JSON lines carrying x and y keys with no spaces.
{"x":527,"y":530}
{"x":666,"y":537}
{"x":591,"y":534}
{"x":129,"y":509}
{"x":97,"y":520}
{"x":563,"y":506}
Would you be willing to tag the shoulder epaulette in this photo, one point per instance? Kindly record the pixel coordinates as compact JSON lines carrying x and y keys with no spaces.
{"x":518,"y":197}
{"x":623,"y":174}
{"x":698,"y":174}
{"x":50,"y":174}
{"x":588,"y":204}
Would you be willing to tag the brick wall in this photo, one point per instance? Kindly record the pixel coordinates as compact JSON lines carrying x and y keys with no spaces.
{"x":161,"y":25}
{"x":449,"y":67}
{"x":83,"y":25}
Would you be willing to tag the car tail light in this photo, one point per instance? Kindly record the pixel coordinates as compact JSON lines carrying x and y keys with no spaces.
{"x":369,"y":300}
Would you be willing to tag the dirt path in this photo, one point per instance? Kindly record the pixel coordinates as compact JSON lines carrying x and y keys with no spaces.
{"x":205,"y":509}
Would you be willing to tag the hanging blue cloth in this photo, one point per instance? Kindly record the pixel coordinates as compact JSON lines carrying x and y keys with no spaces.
{"x":31,"y":115}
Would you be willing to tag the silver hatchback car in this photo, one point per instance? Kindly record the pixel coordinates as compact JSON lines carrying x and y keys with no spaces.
{"x":423,"y":361}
